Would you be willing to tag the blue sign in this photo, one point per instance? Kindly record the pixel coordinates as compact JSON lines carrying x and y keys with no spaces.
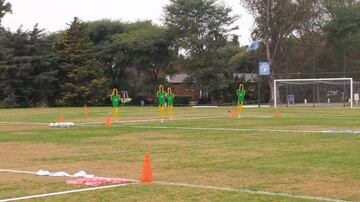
{"x":264,"y":69}
{"x":291,"y":98}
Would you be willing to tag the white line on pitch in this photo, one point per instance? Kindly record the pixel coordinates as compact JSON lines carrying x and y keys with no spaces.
{"x":62,"y":192}
{"x":154,"y":120}
{"x":131,"y":121}
{"x":70,"y":176}
{"x":253,"y":192}
{"x":17,"y":171}
{"x":228,"y":129}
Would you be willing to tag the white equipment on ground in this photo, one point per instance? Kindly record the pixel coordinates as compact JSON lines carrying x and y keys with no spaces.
{"x":125,"y":97}
{"x":323,"y":92}
{"x":61,"y":125}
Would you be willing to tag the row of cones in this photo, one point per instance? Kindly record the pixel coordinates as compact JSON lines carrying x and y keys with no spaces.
{"x":275,"y":115}
{"x":108,"y":119}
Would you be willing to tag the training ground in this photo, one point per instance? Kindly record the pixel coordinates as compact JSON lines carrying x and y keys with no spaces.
{"x":202,"y":154}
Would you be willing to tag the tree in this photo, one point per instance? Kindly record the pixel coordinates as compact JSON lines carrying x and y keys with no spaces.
{"x":113,"y":57}
{"x":198,"y":25}
{"x":343,"y":37}
{"x":200,"y":28}
{"x":4,"y":9}
{"x":278,"y":20}
{"x":81,"y":79}
{"x":343,"y":31}
{"x":27,"y":76}
{"x":216,"y":74}
{"x":44,"y":70}
{"x":147,"y":48}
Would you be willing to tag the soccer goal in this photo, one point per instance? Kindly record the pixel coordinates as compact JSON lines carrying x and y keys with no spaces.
{"x":316,"y":92}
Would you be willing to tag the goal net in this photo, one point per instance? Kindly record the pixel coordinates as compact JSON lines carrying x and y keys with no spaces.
{"x":324,"y":92}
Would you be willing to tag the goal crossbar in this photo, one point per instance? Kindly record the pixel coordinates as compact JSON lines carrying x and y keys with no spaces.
{"x":316,"y":79}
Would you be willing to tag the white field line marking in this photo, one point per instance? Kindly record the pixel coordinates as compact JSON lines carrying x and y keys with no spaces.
{"x":63,"y":192}
{"x":174,"y":119}
{"x":17,"y":171}
{"x":129,"y":121}
{"x":135,"y":121}
{"x":205,"y":187}
{"x":167,"y":119}
{"x":253,"y":192}
{"x":34,"y":173}
{"x":153,"y":120}
{"x":228,"y":129}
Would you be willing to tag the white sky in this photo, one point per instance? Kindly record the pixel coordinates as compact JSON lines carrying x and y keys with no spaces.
{"x":53,"y":15}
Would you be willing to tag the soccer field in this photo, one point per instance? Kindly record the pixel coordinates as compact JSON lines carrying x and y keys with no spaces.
{"x":199,"y":155}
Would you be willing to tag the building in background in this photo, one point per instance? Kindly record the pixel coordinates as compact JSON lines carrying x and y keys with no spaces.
{"x":177,"y":83}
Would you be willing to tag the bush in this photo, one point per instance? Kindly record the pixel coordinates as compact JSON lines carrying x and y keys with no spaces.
{"x":137,"y":100}
{"x":182,"y":100}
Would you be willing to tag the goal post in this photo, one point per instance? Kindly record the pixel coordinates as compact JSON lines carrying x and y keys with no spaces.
{"x":321,"y":88}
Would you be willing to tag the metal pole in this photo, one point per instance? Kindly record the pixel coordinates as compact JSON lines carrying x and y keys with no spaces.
{"x":344,"y":65}
{"x":274,"y":93}
{"x":287,"y":85}
{"x":314,"y":82}
{"x":259,"y":80}
{"x":351,"y":93}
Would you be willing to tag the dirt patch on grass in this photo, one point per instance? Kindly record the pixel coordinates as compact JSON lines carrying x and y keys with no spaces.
{"x":33,"y":157}
{"x":317,"y":185}
{"x":24,"y":155}
{"x":15,"y":127}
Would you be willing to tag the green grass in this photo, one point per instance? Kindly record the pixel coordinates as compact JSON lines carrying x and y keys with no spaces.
{"x":314,"y":164}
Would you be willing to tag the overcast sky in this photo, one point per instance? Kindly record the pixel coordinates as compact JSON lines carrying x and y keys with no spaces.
{"x":53,"y":15}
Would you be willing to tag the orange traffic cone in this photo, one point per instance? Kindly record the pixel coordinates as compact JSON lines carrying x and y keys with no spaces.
{"x":62,"y":119}
{"x":146,"y":176}
{"x":277,"y":114}
{"x":108,"y":121}
{"x":85,"y":110}
{"x":233,"y":113}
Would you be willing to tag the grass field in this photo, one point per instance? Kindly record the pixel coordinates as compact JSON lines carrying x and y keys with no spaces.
{"x":205,"y":147}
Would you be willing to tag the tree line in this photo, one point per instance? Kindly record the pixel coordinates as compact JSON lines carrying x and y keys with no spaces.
{"x":79,"y":65}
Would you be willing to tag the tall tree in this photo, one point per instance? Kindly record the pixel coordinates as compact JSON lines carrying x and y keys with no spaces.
{"x":81,"y":79}
{"x":343,"y":37}
{"x":198,"y":25}
{"x":4,"y":9}
{"x":147,"y":48}
{"x":27,"y":76}
{"x":113,"y":57}
{"x":278,"y":20}
{"x":200,"y":28}
{"x":343,"y":30}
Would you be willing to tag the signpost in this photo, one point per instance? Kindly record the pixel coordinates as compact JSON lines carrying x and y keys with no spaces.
{"x":291,"y":99}
{"x":264,"y":70}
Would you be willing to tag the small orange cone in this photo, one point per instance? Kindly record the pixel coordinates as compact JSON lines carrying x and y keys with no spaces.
{"x":62,"y":119}
{"x":146,"y":176}
{"x":233,"y":113}
{"x":108,"y":121}
{"x":85,"y":110}
{"x":277,"y":114}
